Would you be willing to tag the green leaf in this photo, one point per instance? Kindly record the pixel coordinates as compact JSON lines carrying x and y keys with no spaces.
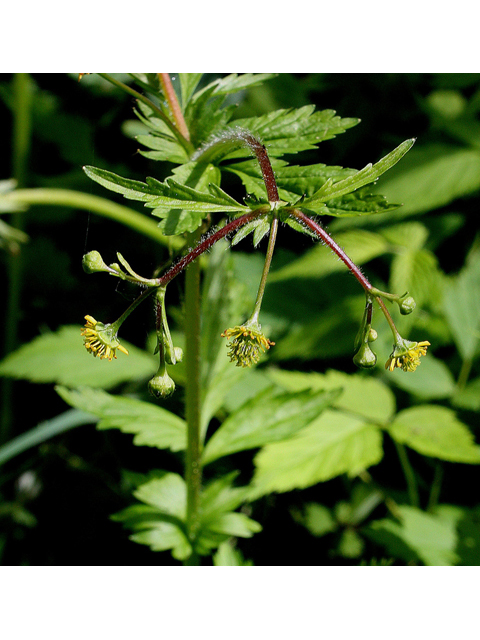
{"x":188,"y":84}
{"x":432,"y":538}
{"x":435,"y":431}
{"x":60,"y":357}
{"x":152,"y":425}
{"x":44,"y":431}
{"x":167,"y":494}
{"x":335,"y":443}
{"x":462,"y":306}
{"x":227,"y":556}
{"x":367,"y":175}
{"x":318,"y":519}
{"x":433,"y":176}
{"x":268,"y":417}
{"x":432,"y":380}
{"x":360,"y":245}
{"x":361,"y":395}
{"x":234,"y":524}
{"x":292,"y":130}
{"x":469,"y":396}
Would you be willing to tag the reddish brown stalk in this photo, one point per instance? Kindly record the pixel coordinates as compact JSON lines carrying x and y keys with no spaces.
{"x":260,"y":152}
{"x":204,"y":245}
{"x":172,"y":100}
{"x":330,"y":242}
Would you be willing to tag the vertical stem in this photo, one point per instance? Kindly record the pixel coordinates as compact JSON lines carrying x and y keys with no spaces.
{"x":22,"y":90}
{"x":172,"y":100}
{"x":409,"y":475}
{"x":436,"y":487}
{"x":193,"y":470}
{"x":464,"y":373}
{"x":266,"y":268}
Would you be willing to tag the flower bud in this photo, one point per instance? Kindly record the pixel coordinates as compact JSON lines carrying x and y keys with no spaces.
{"x":372,"y":335}
{"x":365,"y":358}
{"x":407,"y":305}
{"x":92,"y":262}
{"x":161,"y":385}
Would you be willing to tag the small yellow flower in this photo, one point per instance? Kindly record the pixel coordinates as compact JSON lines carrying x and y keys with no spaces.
{"x":407,"y":355}
{"x":248,"y":344}
{"x":101,"y":339}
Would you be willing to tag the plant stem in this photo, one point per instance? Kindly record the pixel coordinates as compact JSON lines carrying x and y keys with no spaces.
{"x":22,"y":90}
{"x":409,"y":475}
{"x":171,"y":96}
{"x":436,"y":487}
{"x":181,"y":138}
{"x":78,"y":200}
{"x":464,"y":373}
{"x":193,"y":469}
{"x":266,"y":268}
{"x":330,"y":242}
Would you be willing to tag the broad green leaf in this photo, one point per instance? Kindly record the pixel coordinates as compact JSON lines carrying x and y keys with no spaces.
{"x":234,"y":524}
{"x":60,"y":357}
{"x":335,"y":443}
{"x":361,"y":395}
{"x":462,"y":306}
{"x":435,"y":431}
{"x":319,"y":261}
{"x":168,"y":494}
{"x":164,"y":536}
{"x":431,"y":537}
{"x":318,"y":519}
{"x":44,"y":431}
{"x":432,"y":176}
{"x":432,"y":380}
{"x":152,"y":425}
{"x":268,"y":417}
{"x":366,"y":176}
{"x":219,"y":496}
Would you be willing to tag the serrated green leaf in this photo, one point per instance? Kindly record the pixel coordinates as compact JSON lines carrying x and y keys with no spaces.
{"x":319,"y":261}
{"x":367,"y":175}
{"x":291,"y":130}
{"x":168,"y":494}
{"x":188,"y":84}
{"x":430,"y":537}
{"x":152,"y":425}
{"x":269,"y":417}
{"x":61,"y":358}
{"x":234,"y":524}
{"x":361,"y":395}
{"x":335,"y":443}
{"x":431,"y":176}
{"x":164,"y":536}
{"x":435,"y":431}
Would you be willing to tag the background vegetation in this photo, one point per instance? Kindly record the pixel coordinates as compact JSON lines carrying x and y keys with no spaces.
{"x":57,"y":497}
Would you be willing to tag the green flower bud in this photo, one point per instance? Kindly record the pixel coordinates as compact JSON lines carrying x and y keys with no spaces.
{"x":407,"y":305}
{"x":92,"y":262}
{"x":176,"y":356}
{"x":161,"y":385}
{"x":372,"y":335}
{"x":365,"y":358}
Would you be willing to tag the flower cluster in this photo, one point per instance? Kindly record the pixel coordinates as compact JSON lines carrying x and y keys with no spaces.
{"x":101,"y":339}
{"x":407,"y":355}
{"x":248,"y":344}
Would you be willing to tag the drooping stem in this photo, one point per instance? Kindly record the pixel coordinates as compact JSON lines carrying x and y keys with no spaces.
{"x":193,"y":469}
{"x":171,"y":96}
{"x":266,"y":268}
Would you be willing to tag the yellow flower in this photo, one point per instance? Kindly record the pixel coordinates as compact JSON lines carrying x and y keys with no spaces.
{"x":248,"y":344}
{"x":407,"y":355}
{"x":101,"y":339}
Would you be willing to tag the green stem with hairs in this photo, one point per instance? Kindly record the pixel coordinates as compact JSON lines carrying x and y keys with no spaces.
{"x":266,"y":269}
{"x":409,"y":475}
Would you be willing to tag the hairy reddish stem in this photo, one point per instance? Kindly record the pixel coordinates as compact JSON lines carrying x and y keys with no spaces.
{"x":172,"y":100}
{"x":204,"y":245}
{"x":260,"y":152}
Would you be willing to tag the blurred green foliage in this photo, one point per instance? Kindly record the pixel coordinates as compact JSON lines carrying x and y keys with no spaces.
{"x":388,"y":471}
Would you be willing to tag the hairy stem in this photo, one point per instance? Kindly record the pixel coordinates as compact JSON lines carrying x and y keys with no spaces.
{"x":171,"y":96}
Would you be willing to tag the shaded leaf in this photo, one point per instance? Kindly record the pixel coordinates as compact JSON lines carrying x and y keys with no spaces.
{"x":432,"y":380}
{"x":268,"y":417}
{"x":152,"y":425}
{"x":435,"y":431}
{"x":60,"y":357}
